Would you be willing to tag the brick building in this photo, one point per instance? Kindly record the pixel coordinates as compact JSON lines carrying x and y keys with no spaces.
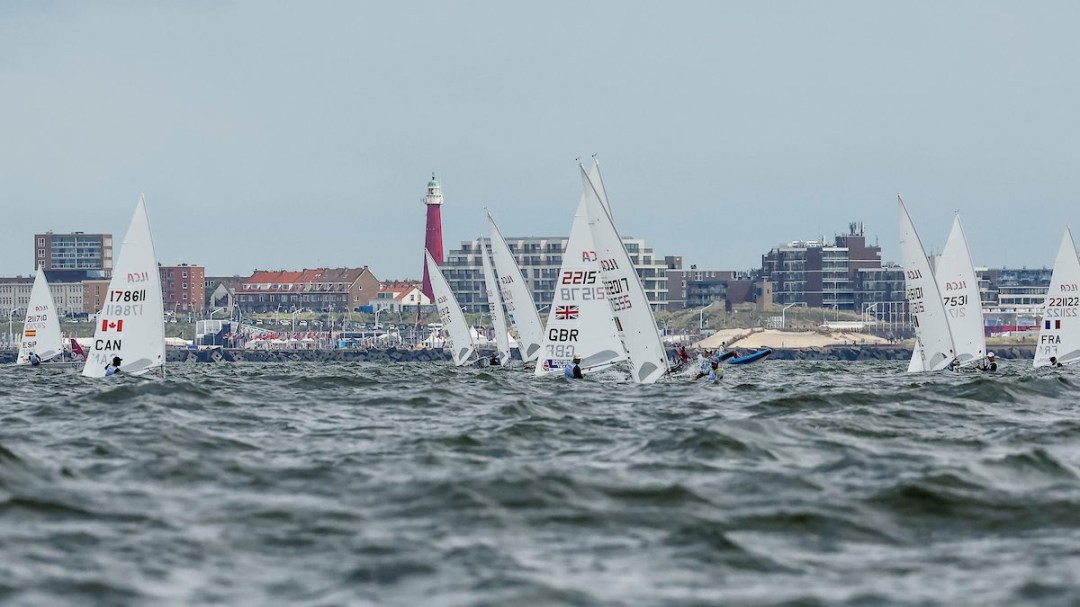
{"x":818,"y":274}
{"x":183,"y":288}
{"x":319,"y":289}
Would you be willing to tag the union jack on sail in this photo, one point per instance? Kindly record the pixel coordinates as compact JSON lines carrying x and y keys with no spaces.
{"x":566,"y":312}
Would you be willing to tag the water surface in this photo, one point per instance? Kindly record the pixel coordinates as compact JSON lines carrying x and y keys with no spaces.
{"x":812,"y":483}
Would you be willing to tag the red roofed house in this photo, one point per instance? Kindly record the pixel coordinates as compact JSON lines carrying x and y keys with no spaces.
{"x":400,"y":296}
{"x":319,"y":290}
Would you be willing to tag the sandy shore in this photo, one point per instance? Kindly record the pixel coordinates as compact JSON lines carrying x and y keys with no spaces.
{"x":775,"y":338}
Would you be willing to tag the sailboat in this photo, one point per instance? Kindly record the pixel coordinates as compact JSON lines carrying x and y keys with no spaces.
{"x":520,"y":308}
{"x":959,"y":288}
{"x":458,"y":334}
{"x":41,"y":331}
{"x":1059,"y":336}
{"x":580,"y":322}
{"x":934,"y":349}
{"x":495,"y":306}
{"x":131,"y":322}
{"x":625,"y":294}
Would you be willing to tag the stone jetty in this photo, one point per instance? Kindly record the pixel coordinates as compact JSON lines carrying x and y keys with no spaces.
{"x":396,"y":355}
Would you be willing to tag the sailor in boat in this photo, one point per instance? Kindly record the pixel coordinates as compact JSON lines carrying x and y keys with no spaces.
{"x":989,"y":363}
{"x":705,"y":366}
{"x":723,"y":353}
{"x":954,"y":364}
{"x":113,"y":367}
{"x":714,"y":372}
{"x":1054,"y":362}
{"x":679,"y":361}
{"x":494,"y":360}
{"x":572,"y":370}
{"x":35,"y":360}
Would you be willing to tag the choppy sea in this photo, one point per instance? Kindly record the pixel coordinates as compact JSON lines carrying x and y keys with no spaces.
{"x":813,"y":483}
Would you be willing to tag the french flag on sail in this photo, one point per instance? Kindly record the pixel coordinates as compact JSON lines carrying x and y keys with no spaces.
{"x":1056,"y":324}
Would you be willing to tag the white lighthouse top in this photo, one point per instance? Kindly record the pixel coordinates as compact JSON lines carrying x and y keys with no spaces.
{"x":434,"y":192}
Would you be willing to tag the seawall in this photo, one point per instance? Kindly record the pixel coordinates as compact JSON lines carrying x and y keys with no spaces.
{"x":395,"y":355}
{"x":887,"y":352}
{"x":384,"y":355}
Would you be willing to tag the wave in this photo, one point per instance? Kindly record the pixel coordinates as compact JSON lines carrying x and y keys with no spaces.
{"x":790,"y":483}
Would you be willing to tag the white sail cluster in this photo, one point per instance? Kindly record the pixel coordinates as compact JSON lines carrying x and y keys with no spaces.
{"x":599,"y":315}
{"x":944,"y":301}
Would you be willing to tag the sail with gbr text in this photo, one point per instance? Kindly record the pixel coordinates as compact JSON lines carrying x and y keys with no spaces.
{"x":580,"y":322}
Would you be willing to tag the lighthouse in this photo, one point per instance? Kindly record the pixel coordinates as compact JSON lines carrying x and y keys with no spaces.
{"x":433,"y":237}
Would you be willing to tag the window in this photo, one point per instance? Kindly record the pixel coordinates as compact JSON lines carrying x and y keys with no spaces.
{"x":40,"y":242}
{"x":185,"y":285}
{"x":41,"y":253}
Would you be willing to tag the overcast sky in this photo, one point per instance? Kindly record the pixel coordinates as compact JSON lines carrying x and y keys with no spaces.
{"x":302,"y":134}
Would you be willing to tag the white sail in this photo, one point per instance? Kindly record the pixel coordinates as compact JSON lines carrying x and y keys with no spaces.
{"x":959,"y":287}
{"x":580,"y":322}
{"x":520,"y":307}
{"x":916,"y":364}
{"x":629,"y":304}
{"x":598,"y":182}
{"x":495,"y":307}
{"x":458,"y":334}
{"x":41,"y":330}
{"x":131,"y":322}
{"x":935,"y":344}
{"x":1060,"y":333}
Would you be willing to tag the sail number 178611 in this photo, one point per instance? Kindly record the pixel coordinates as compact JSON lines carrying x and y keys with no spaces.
{"x":133,"y":295}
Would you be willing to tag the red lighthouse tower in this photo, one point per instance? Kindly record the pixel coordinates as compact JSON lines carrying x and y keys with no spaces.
{"x":433,"y":238}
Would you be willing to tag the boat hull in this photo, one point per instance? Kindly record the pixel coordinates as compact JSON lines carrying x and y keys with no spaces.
{"x":750,"y":358}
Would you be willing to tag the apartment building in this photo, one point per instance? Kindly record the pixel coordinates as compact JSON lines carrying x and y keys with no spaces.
{"x":540,"y":259}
